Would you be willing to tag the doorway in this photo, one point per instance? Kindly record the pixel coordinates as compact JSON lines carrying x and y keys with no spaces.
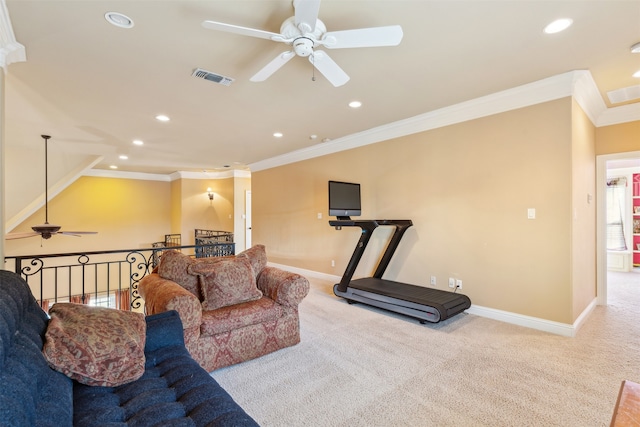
{"x":604,"y":162}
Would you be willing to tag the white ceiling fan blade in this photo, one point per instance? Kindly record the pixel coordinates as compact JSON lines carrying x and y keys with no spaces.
{"x":306,"y":14}
{"x":13,"y":236}
{"x":328,"y":68}
{"x":364,"y":37}
{"x":272,"y":66}
{"x":236,"y":29}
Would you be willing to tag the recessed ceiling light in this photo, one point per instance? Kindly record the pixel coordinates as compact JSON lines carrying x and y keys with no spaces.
{"x":278,"y":134}
{"x":635,"y":48}
{"x":118,"y":19}
{"x":558,"y":25}
{"x":113,"y":167}
{"x":355,"y":104}
{"x":123,"y":157}
{"x":137,"y":142}
{"x":162,"y":118}
{"x":637,"y":74}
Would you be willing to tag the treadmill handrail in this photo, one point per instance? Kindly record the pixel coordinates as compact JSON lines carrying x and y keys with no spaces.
{"x":368,"y":227}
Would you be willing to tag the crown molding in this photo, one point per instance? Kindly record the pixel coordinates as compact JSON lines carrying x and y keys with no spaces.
{"x":10,"y":50}
{"x":622,"y":114}
{"x":104,"y":173}
{"x":233,"y":173}
{"x":587,"y":95}
{"x":579,"y":84}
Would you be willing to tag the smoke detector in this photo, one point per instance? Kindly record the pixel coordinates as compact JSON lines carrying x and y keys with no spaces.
{"x":212,"y":77}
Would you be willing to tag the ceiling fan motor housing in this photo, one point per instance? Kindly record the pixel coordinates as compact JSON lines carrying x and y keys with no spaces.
{"x":46,"y":230}
{"x":304,"y":39}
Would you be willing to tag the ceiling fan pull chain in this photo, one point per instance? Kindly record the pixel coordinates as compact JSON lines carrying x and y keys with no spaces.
{"x":313,"y":68}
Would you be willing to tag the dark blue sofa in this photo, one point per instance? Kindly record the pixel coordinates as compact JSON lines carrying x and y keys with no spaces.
{"x":173,"y":391}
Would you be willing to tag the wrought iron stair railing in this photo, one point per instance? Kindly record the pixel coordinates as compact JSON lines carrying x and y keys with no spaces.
{"x":107,"y":278}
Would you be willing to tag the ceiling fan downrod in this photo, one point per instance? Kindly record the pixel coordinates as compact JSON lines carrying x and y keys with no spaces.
{"x":46,"y":183}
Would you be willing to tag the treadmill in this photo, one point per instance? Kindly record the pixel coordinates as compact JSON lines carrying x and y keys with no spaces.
{"x":425,"y":304}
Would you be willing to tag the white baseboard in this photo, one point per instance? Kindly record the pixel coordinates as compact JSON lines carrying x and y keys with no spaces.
{"x":557,"y":328}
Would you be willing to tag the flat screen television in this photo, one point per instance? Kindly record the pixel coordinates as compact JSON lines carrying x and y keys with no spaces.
{"x":344,"y":199}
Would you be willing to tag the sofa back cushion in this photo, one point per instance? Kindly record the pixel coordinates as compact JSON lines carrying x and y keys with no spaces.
{"x":173,"y":266}
{"x":257,"y":256}
{"x":226,"y":282}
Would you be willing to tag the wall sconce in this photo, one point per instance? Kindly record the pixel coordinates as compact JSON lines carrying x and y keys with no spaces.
{"x":210,"y":193}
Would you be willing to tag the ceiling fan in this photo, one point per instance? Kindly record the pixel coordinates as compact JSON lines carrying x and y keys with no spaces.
{"x":304,"y":32}
{"x":46,"y":230}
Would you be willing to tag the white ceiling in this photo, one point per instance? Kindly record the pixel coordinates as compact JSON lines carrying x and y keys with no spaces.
{"x":95,"y":87}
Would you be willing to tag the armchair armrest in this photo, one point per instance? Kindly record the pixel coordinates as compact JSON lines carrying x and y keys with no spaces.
{"x":164,"y":295}
{"x":282,"y":286}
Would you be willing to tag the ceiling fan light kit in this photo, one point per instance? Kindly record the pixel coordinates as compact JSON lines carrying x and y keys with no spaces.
{"x":304,"y":32}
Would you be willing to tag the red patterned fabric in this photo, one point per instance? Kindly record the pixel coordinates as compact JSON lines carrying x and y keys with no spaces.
{"x":239,"y":315}
{"x":282,"y":286}
{"x":257,"y":256}
{"x":239,"y":332}
{"x":163,"y":295}
{"x":247,"y":343}
{"x":95,"y":345}
{"x":227,"y":282}
{"x":174,"y":266}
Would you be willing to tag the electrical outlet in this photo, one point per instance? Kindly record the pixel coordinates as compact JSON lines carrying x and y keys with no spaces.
{"x":452,"y":282}
{"x":433,"y":280}
{"x":458,"y":284}
{"x":333,"y":263}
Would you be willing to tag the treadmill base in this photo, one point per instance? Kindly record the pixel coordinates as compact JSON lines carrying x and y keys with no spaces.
{"x":424,"y":304}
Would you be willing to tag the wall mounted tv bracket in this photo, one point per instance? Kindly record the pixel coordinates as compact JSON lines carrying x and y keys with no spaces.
{"x":424,"y":304}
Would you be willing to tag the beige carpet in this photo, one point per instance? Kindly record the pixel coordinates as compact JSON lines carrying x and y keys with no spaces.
{"x":359,"y":366}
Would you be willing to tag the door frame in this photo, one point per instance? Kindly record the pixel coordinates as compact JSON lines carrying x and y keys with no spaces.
{"x":601,"y":222}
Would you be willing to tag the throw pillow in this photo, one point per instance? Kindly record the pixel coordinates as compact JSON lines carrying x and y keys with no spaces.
{"x":96,"y":346}
{"x":257,"y":256}
{"x":229,"y":281}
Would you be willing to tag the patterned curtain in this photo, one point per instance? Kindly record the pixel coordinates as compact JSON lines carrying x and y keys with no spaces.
{"x":44,"y":304}
{"x":616,"y":189}
{"x":80,"y":299}
{"x":123,"y":299}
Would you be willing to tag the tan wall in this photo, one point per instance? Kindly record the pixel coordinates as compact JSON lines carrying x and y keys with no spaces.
{"x":126,"y":213}
{"x":583,"y":220}
{"x":618,"y":138}
{"x":197,"y":211}
{"x":467,"y":188}
{"x":130,"y":214}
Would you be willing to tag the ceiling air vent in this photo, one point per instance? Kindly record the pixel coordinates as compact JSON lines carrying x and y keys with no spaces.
{"x":212,"y":77}
{"x":625,"y":94}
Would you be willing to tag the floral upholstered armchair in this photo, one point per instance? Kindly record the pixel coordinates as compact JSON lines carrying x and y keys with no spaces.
{"x":233,"y":309}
